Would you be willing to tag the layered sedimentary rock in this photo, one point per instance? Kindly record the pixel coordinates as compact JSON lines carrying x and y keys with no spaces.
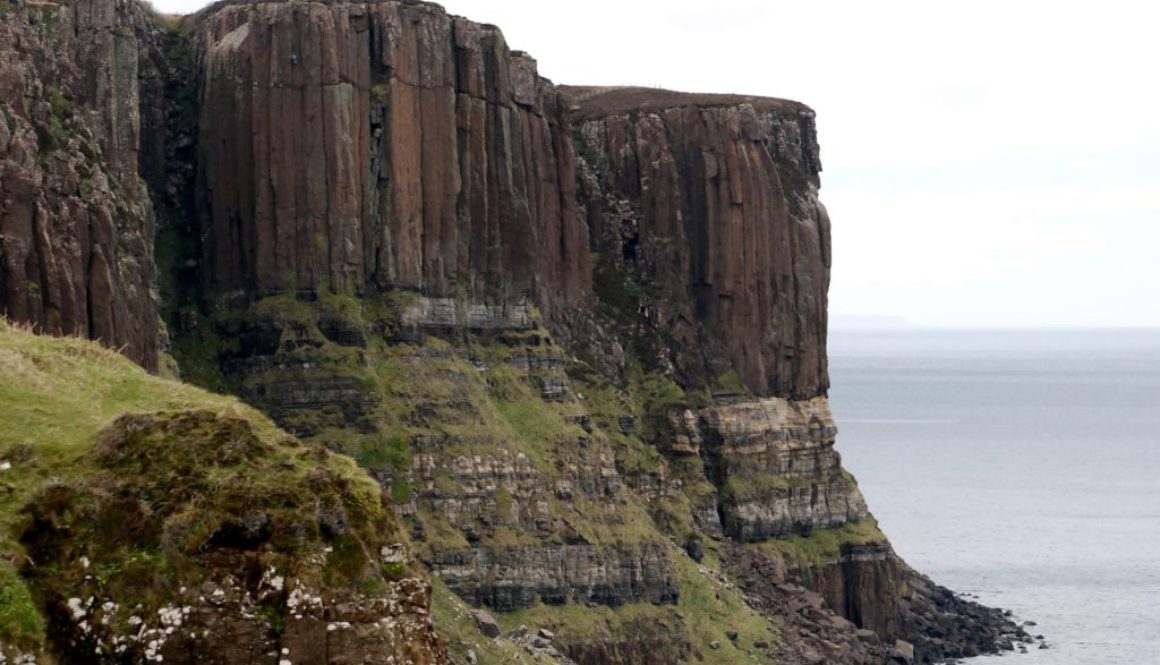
{"x":468,"y":416}
{"x":775,"y":464}
{"x":352,"y":146}
{"x":557,"y":575}
{"x":76,"y":221}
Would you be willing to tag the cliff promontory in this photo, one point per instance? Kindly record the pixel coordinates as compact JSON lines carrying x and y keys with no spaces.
{"x":574,"y":337}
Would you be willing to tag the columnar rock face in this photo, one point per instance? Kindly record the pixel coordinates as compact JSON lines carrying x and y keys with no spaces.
{"x":76,"y":222}
{"x":349,"y":146}
{"x":711,"y":202}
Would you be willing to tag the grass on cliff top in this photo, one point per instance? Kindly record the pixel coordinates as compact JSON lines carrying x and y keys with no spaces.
{"x":57,"y":393}
{"x":822,"y":545}
{"x":60,"y":396}
{"x":708,"y":612}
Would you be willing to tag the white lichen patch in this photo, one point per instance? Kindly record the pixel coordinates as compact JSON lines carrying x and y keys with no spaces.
{"x":394,"y":554}
{"x":76,"y":608}
{"x":271,"y":584}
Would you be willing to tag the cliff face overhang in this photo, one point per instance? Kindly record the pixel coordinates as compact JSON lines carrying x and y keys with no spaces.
{"x":565,"y":327}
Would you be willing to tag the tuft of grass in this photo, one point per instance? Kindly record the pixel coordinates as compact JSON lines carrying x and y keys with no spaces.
{"x":731,"y":382}
{"x":20,"y":619}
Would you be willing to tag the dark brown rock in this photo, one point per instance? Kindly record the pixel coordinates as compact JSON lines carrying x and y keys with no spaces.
{"x":76,"y":221}
{"x":709,"y":202}
{"x":349,"y":147}
{"x":486,"y":623}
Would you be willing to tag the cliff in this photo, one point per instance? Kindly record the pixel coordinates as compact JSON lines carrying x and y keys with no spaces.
{"x":76,"y":222}
{"x":710,"y":202}
{"x":358,"y":146}
{"x":576,"y":335}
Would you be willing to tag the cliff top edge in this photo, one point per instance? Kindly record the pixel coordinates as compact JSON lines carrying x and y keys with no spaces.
{"x":590,"y":102}
{"x":587,"y":102}
{"x":221,"y":4}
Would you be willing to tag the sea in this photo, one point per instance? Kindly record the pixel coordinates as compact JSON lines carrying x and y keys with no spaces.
{"x":1019,"y":466}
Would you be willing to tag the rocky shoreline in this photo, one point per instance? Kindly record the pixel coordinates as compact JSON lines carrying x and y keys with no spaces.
{"x":941,"y":626}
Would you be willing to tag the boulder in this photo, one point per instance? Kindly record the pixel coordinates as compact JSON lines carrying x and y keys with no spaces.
{"x":486,"y":623}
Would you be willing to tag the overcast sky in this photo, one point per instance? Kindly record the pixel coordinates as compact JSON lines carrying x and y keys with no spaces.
{"x":985,"y":163}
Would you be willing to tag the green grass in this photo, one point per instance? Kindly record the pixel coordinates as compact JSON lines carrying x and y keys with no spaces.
{"x":20,"y":619}
{"x":661,"y":625}
{"x":822,"y":546}
{"x":712,"y":609}
{"x":143,"y":496}
{"x":731,"y":382}
{"x":707,"y":611}
{"x":453,"y":621}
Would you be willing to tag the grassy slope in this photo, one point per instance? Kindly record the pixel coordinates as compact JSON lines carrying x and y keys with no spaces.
{"x":59,"y":394}
{"x":504,"y":411}
{"x":499,"y":409}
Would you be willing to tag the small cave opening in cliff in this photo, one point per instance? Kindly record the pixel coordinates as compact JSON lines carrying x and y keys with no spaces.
{"x":628,"y":248}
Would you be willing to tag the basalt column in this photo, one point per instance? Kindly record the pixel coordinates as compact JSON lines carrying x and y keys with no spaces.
{"x":76,"y":222}
{"x":350,"y":147}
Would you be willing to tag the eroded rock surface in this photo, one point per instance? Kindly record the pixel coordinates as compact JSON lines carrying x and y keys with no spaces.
{"x":775,"y":464}
{"x":76,"y":221}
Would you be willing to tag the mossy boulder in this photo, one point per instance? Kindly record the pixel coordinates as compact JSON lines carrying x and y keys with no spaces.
{"x":187,"y":528}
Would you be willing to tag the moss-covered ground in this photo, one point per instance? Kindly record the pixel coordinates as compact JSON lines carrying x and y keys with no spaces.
{"x":118,"y":482}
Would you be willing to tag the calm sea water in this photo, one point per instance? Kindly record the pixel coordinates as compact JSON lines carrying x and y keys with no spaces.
{"x":1022,"y":466}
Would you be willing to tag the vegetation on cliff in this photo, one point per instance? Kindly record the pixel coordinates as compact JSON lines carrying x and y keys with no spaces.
{"x":124,"y":496}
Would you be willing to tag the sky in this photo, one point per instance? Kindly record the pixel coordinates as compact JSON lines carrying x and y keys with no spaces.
{"x":985,"y":163}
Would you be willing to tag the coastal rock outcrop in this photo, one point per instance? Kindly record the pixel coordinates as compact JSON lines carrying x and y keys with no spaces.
{"x":576,"y":335}
{"x":163,"y":523}
{"x":774,"y":463}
